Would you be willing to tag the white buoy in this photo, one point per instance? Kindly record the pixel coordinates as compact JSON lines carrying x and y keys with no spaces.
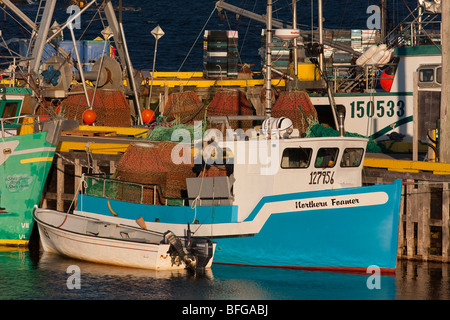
{"x":362,"y":60}
{"x":377,"y":57}
{"x":386,"y":58}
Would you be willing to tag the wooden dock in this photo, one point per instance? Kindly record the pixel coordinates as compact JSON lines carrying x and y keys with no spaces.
{"x":425,"y":205}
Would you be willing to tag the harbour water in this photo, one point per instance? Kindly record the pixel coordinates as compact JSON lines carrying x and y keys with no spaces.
{"x":30,"y":274}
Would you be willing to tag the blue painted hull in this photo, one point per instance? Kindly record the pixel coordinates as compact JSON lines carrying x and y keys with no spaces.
{"x":350,"y":238}
{"x":311,"y":230}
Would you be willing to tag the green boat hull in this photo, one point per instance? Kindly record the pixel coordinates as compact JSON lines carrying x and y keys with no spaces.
{"x":25,"y":161}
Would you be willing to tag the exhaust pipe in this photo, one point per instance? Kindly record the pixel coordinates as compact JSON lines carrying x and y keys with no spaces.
{"x":341,"y":119}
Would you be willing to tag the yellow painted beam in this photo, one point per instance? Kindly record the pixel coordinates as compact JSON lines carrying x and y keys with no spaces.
{"x":98,"y":148}
{"x":178,"y":75}
{"x":206,"y":83}
{"x":119,"y":130}
{"x":408,"y":166}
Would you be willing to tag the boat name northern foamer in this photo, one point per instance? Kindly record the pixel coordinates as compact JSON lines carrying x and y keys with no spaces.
{"x":318,"y":204}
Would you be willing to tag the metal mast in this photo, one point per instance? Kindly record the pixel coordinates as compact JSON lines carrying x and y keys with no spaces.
{"x":269,"y":59}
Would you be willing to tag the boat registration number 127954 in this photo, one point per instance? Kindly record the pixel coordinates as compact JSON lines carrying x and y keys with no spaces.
{"x":379,"y":108}
{"x":324,"y":177}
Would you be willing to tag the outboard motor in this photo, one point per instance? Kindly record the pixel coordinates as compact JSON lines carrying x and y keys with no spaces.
{"x":202,"y":250}
{"x":176,"y":246}
{"x":198,"y":254}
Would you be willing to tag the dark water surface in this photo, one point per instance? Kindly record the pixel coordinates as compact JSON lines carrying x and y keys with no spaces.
{"x":181,"y":48}
{"x":30,"y":275}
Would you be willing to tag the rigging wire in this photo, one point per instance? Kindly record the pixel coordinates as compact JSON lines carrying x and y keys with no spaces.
{"x":195,"y":42}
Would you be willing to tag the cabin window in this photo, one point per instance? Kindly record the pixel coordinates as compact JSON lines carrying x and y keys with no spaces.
{"x":296,"y":158}
{"x":10,"y":109}
{"x":352,"y":157}
{"x":439,"y":75}
{"x":326,"y":157}
{"x":426,"y":75}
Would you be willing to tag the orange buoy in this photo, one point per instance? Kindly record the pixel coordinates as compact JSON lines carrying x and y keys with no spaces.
{"x":89,"y":117}
{"x":386,"y":81}
{"x":148,"y":115}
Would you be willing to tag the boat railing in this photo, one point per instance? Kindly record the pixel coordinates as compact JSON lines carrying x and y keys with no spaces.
{"x":14,"y":72}
{"x":350,"y":78}
{"x":13,"y":123}
{"x":100,"y":185}
{"x":414,"y":33}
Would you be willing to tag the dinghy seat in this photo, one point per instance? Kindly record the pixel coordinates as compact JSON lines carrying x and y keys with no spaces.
{"x":100,"y":229}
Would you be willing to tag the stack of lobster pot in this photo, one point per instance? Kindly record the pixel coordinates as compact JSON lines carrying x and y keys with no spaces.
{"x":220,"y":54}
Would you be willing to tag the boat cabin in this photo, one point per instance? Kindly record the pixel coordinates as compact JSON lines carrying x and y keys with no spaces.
{"x":252,"y":169}
{"x":276,"y":167}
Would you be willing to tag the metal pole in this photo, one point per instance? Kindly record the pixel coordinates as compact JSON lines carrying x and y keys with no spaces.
{"x":153,"y":73}
{"x":131,"y":75}
{"x":294,"y":26}
{"x":276,"y":24}
{"x":320,"y":9}
{"x":269,"y":59}
{"x":44,"y":27}
{"x":80,"y":67}
{"x":444,"y":135}
{"x":99,"y":71}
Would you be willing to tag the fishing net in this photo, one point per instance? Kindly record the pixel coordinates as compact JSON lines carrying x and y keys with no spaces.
{"x":111,"y":107}
{"x":165,"y":133}
{"x":147,"y":174}
{"x":176,"y":173}
{"x":142,"y":163}
{"x":296,"y":106}
{"x":231,"y":103}
{"x":318,"y":130}
{"x":184,"y":107}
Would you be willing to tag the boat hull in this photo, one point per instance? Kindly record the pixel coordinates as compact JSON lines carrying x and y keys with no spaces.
{"x":342,"y":239}
{"x":24,"y":167}
{"x":382,"y":113}
{"x":344,"y":229}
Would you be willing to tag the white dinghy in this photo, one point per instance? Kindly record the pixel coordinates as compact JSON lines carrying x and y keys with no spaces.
{"x":98,"y":241}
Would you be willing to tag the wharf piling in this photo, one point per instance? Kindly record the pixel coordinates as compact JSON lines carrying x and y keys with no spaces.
{"x":423,"y":233}
{"x":63,"y":183}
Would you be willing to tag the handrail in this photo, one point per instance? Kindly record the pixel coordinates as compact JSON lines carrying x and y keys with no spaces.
{"x":11,"y":121}
{"x":143,"y":186}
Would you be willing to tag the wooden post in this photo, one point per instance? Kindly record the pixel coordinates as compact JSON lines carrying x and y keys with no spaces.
{"x":78,"y":172}
{"x":423,"y":221}
{"x":445,"y":221}
{"x":401,"y":233}
{"x":411,"y":205}
{"x":112,"y":166}
{"x":415,"y":117}
{"x":444,"y":135}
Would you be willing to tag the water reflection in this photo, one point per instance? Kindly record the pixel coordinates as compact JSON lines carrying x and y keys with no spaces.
{"x":422,"y":281}
{"x":26,"y":274}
